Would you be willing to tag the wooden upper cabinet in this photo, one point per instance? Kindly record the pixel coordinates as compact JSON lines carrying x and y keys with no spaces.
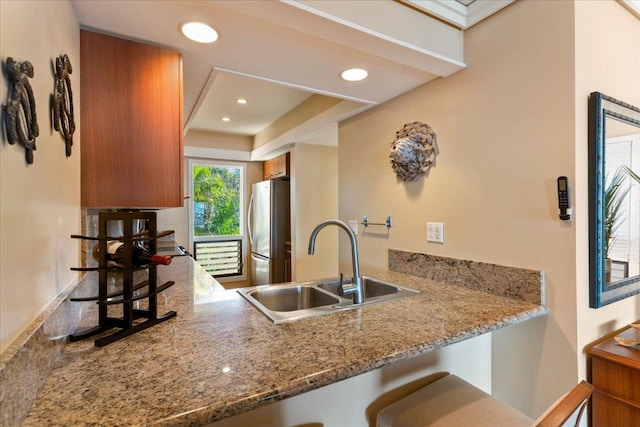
{"x":131,"y":124}
{"x":276,"y":167}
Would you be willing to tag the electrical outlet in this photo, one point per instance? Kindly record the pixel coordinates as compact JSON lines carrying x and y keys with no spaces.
{"x":353,"y":225}
{"x":435,"y":232}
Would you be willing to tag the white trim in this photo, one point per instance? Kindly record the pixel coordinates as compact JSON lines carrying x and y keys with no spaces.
{"x":442,"y":65}
{"x":479,"y":10}
{"x":459,"y":15}
{"x":243,"y":212}
{"x":378,"y":34}
{"x":217,"y":153}
{"x":449,"y":11}
{"x":632,"y":5}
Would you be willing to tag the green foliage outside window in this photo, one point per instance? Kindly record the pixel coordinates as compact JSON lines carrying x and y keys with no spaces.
{"x":216,"y":201}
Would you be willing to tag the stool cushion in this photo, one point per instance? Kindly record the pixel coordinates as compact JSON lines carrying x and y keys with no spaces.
{"x":451,"y":402}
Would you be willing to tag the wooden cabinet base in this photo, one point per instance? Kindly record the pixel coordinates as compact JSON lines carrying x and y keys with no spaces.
{"x":611,"y":412}
{"x":615,"y":374}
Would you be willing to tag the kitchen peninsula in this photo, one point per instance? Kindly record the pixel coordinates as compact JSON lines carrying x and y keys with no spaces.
{"x":221,"y":357}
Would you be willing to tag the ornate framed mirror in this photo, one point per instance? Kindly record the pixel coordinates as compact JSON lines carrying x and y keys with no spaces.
{"x":614,"y":200}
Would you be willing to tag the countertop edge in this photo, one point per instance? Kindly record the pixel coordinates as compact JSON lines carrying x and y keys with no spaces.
{"x":442,"y":299}
{"x":207,"y":415}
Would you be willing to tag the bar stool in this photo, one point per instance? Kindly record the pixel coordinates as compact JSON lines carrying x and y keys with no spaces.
{"x":452,"y":402}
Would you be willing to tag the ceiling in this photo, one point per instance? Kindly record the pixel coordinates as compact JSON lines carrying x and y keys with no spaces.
{"x":276,"y":54}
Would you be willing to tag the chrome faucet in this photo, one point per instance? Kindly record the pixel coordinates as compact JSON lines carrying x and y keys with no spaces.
{"x":355,"y":289}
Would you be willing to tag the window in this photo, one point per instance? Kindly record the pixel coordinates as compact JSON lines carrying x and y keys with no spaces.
{"x":222,"y":258}
{"x":216,"y":213}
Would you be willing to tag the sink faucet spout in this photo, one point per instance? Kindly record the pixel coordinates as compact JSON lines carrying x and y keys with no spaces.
{"x":356,"y":288}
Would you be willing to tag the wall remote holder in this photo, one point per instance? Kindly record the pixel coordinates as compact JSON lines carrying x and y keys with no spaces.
{"x":564,"y":202}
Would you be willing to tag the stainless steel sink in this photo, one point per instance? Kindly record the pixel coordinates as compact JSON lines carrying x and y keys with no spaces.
{"x":289,"y":302}
{"x":292,"y":298}
{"x":372,"y":287}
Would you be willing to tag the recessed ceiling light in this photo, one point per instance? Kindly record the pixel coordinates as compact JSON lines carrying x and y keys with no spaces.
{"x":241,"y":101}
{"x":199,"y":32}
{"x":226,"y":119}
{"x":354,"y":74}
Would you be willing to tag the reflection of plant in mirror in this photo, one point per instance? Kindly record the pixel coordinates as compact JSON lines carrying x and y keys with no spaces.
{"x":632,"y":174}
{"x":614,"y":195}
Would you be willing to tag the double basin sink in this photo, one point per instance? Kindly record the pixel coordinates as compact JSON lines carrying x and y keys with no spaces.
{"x":295,"y":301}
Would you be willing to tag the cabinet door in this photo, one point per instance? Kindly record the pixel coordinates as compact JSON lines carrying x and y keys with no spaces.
{"x":615,"y":374}
{"x":276,"y":167}
{"x":131,"y":123}
{"x":610,"y":411}
{"x":616,"y":379}
{"x":268,"y":169}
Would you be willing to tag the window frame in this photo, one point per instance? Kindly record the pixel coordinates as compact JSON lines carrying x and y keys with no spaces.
{"x":243,"y":191}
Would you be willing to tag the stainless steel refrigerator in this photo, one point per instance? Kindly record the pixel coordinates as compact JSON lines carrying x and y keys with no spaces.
{"x":269,"y":229}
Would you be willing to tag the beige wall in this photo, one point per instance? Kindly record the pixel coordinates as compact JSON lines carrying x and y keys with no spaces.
{"x":505,"y":131}
{"x":607,"y":61}
{"x":224,"y":141}
{"x":314,"y":198}
{"x":508,"y":125}
{"x":40,"y":203}
{"x":312,"y":106}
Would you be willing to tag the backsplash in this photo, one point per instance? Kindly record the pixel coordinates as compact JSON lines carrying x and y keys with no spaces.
{"x":27,"y":362}
{"x":511,"y":282}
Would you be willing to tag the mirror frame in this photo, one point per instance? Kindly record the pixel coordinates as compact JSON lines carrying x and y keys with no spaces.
{"x":600,"y":107}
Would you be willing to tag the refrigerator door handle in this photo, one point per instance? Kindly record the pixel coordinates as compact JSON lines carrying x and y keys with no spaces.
{"x":261,"y":270}
{"x":249,"y":219}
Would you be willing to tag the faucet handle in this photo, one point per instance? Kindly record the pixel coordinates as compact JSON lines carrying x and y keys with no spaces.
{"x":355,"y":289}
{"x":340,"y":285}
{"x":348,"y":289}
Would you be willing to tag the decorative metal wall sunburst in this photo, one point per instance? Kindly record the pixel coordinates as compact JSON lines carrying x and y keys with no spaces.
{"x":414,"y":151}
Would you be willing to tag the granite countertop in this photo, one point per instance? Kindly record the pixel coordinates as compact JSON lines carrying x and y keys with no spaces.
{"x":220,"y":356}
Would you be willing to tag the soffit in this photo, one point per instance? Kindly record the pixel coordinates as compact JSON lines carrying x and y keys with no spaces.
{"x":277,"y":53}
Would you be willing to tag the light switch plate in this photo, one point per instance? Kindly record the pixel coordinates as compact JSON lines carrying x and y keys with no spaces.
{"x":353,"y":225}
{"x":435,"y":232}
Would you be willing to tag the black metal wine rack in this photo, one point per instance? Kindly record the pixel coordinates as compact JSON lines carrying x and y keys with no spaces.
{"x":128,"y":324}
